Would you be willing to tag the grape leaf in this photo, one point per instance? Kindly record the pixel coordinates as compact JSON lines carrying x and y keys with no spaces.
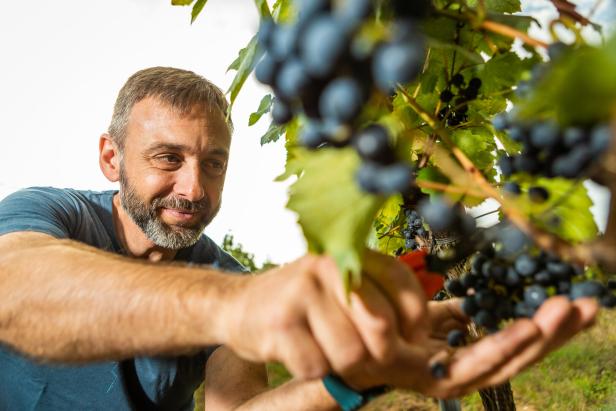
{"x":244,"y":64}
{"x":181,"y":2}
{"x":334,"y":214}
{"x":385,"y":235}
{"x":272,"y":134}
{"x":499,"y":6}
{"x":196,"y":10}
{"x":264,"y":107}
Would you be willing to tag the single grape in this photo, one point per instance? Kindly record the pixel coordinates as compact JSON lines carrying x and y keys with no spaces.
{"x":474,"y":83}
{"x":538,"y":194}
{"x":512,"y":188}
{"x":455,"y":288}
{"x":485,"y":299}
{"x":526,"y":265}
{"x":292,"y":79}
{"x":587,"y":289}
{"x":501,"y":122}
{"x":486,"y":319}
{"x":397,"y":63}
{"x":394,"y":178}
{"x":367,"y":177}
{"x":446,"y":96}
{"x":456,"y":338}
{"x":266,"y":70}
{"x":608,"y":301}
{"x":281,"y":112}
{"x":267,"y":27}
{"x":457,"y":80}
{"x":312,"y":136}
{"x":323,"y":45}
{"x":469,"y":306}
{"x":534,"y":296}
{"x":438,"y":370}
{"x":342,"y":100}
{"x":545,"y":135}
{"x":283,"y":42}
{"x":372,"y":143}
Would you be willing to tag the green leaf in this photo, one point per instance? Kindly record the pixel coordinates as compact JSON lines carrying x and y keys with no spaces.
{"x":569,"y":203}
{"x":263,"y":8}
{"x":334,"y":214}
{"x":244,"y":65}
{"x":272,"y":134}
{"x":385,"y":235}
{"x":181,"y":2}
{"x":264,"y":107}
{"x":197,"y":9}
{"x":499,"y":6}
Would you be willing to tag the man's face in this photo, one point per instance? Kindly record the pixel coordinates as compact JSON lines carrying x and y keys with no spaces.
{"x":172,"y":171}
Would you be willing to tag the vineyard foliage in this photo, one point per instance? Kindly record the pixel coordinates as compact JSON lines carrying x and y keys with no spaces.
{"x":450,"y":140}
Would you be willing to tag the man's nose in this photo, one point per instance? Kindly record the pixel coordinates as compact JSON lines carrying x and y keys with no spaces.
{"x":190,"y":183}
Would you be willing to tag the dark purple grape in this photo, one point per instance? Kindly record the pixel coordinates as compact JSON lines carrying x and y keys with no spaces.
{"x":538,"y":194}
{"x":342,"y":100}
{"x":456,"y":338}
{"x":523,"y":310}
{"x":543,"y":278}
{"x":292,"y":79}
{"x":469,"y":281}
{"x":446,"y":96}
{"x":608,"y":301}
{"x":600,"y":139}
{"x":284,"y":42}
{"x":572,"y":136}
{"x":611,"y":284}
{"x":281,"y":112}
{"x":557,"y":50}
{"x":485,"y":299}
{"x":587,"y":289}
{"x":267,"y":27}
{"x":266,"y":70}
{"x":372,"y":143}
{"x":438,"y":214}
{"x":457,"y":80}
{"x":474,"y":83}
{"x":526,"y":265}
{"x":397,"y":63}
{"x":322,"y":46}
{"x":534,"y":296}
{"x":545,"y":135}
{"x":560,"y":270}
{"x":486,"y":319}
{"x":367,"y":178}
{"x":501,"y":122}
{"x":512,"y":188}
{"x":438,"y":370}
{"x":312,"y":136}
{"x":394,"y":178}
{"x":455,"y":287}
{"x":469,"y":306}
{"x":513,"y":278}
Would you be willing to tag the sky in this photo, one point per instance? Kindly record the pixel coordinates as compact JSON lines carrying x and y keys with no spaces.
{"x":63,"y":64}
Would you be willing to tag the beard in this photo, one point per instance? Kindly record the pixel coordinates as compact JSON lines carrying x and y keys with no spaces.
{"x":160,"y":233}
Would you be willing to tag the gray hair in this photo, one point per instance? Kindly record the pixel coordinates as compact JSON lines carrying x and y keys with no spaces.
{"x":180,"y":89}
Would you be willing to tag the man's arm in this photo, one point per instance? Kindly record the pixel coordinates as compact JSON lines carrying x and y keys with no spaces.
{"x":66,"y":301}
{"x":234,"y":384}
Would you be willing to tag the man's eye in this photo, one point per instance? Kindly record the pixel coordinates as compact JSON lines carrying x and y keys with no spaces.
{"x":215,"y":166}
{"x":169,"y":158}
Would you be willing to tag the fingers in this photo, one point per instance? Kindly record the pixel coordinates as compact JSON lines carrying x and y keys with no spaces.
{"x":472,"y":366}
{"x":403,"y":291}
{"x":446,"y":316}
{"x":558,"y":320}
{"x":336,"y":334}
{"x":377,"y":322}
{"x":301,"y":354}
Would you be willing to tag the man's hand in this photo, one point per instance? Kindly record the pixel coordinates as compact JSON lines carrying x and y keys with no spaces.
{"x":487,"y":362}
{"x":300,"y":315}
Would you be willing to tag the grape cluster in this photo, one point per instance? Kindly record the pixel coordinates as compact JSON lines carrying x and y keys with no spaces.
{"x":455,"y":110}
{"x":414,"y":228}
{"x":551,"y":151}
{"x":500,"y":288}
{"x":320,"y":70}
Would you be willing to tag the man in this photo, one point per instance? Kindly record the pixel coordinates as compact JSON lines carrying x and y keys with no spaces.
{"x":88,"y":279}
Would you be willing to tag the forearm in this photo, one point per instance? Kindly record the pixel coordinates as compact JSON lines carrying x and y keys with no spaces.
{"x":64,"y":301}
{"x":294,"y":395}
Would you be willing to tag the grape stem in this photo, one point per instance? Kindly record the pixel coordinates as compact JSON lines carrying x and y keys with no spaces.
{"x":509,"y":31}
{"x":582,"y":253}
{"x":432,"y":185}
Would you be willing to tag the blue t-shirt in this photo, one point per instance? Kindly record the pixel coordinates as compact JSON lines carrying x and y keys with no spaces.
{"x":27,"y":385}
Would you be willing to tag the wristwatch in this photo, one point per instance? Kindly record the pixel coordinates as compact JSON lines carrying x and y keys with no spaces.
{"x":347,"y":397}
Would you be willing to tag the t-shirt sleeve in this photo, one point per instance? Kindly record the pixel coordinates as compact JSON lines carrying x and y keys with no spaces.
{"x":42,"y":209}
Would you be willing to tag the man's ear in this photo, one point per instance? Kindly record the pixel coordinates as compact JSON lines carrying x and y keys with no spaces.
{"x":109,"y":158}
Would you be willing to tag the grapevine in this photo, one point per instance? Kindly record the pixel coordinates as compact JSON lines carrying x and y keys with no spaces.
{"x":399,"y":117}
